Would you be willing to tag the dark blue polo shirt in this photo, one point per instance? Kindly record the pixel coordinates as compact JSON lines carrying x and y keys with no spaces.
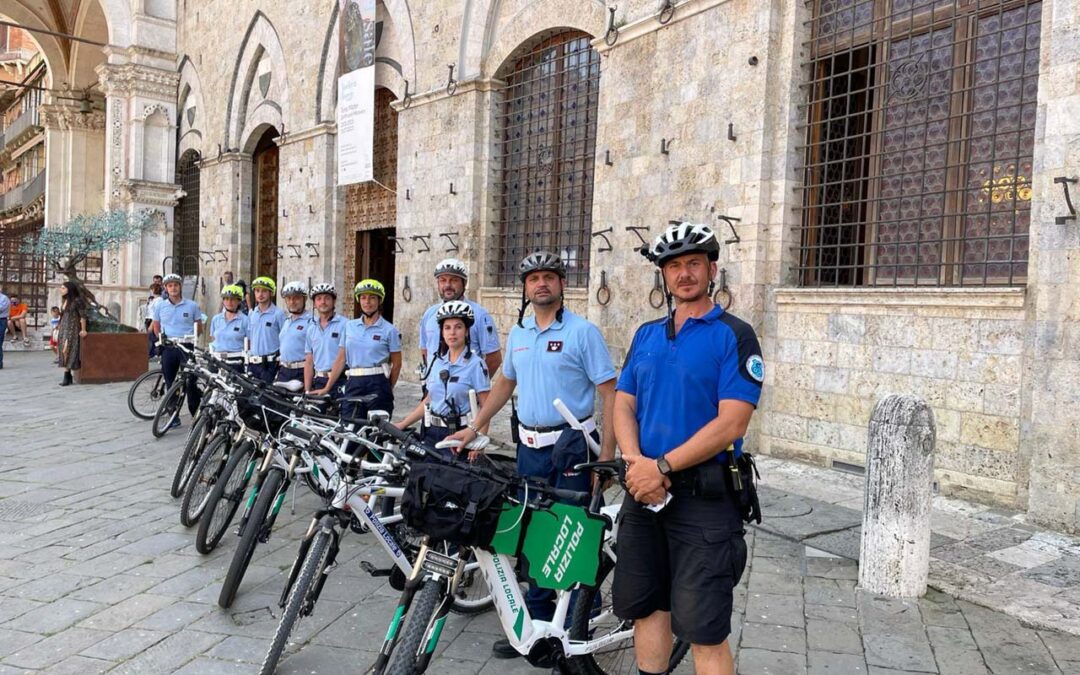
{"x":679,"y":383}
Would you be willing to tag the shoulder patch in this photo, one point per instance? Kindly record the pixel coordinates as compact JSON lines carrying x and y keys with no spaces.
{"x":756,"y":367}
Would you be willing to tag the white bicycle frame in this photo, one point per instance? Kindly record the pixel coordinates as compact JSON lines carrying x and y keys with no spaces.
{"x":521,"y":629}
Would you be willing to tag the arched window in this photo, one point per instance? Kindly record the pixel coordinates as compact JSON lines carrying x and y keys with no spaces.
{"x":186,"y":215}
{"x":544,"y":149}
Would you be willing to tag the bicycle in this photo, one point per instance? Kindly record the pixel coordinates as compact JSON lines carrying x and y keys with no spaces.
{"x":346,"y":510}
{"x":170,"y":405}
{"x":596,"y":643}
{"x":145,"y":394}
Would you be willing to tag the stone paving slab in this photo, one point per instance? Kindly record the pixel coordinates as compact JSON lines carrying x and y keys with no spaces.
{"x":97,"y":575}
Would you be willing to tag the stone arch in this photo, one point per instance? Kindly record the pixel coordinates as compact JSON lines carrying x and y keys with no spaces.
{"x":261,"y":41}
{"x":507,"y":35}
{"x":118,"y":20}
{"x":189,"y":108}
{"x":50,"y":47}
{"x":90,"y":23}
{"x":395,"y":59}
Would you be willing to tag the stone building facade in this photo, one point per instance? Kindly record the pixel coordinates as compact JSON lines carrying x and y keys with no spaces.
{"x":882,"y":172}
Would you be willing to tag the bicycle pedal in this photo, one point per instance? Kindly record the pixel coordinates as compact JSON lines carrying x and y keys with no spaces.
{"x":375,"y":571}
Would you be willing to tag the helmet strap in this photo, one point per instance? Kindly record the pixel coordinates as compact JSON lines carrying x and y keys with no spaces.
{"x":670,"y":324}
{"x":524,"y":304}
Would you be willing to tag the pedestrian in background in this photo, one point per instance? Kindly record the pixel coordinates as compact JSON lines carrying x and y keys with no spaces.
{"x":71,"y":330}
{"x":5,"y":311}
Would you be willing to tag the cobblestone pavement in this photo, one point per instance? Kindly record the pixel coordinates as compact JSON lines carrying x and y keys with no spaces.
{"x":97,"y":574}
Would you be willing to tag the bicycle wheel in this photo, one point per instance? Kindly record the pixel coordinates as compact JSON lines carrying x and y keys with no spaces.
{"x":298,"y":596}
{"x":203,"y":478}
{"x":472,"y":595}
{"x":193,"y":450}
{"x":249,"y":538}
{"x":408,"y":645}
{"x":226,"y":496}
{"x":145,"y":394}
{"x":594,"y":620}
{"x":168,"y":409}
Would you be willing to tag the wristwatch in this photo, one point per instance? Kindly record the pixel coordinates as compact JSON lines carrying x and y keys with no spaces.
{"x":665,"y":468}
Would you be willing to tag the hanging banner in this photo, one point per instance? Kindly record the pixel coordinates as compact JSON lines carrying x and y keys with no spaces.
{"x":356,"y":91}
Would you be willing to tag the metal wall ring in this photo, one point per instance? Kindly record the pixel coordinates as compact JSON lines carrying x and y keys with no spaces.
{"x":451,"y":87}
{"x":667,"y":12}
{"x":603,"y":295}
{"x":726,"y":294}
{"x":611,"y":37}
{"x":656,"y":298}
{"x":406,"y":293}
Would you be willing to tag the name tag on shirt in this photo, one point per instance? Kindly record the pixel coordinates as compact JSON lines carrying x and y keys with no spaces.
{"x":186,"y":315}
{"x":236,"y":329}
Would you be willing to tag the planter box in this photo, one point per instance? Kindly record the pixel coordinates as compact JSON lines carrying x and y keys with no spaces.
{"x":112,"y":357}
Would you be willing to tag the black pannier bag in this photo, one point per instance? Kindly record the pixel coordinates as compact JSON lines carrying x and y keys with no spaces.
{"x":452,"y":504}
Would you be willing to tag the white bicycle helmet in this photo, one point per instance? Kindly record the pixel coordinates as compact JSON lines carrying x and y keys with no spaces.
{"x":293,"y":288}
{"x":456,"y":309}
{"x":542,"y":261}
{"x":319,"y":289}
{"x":172,"y":277}
{"x":681,"y":238}
{"x":452,"y":266}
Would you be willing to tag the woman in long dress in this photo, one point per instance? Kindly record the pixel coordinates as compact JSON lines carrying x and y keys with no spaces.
{"x":72,"y":329}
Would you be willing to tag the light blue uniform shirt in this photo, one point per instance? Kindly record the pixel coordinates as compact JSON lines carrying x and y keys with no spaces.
{"x":369,"y":346}
{"x":5,"y":306}
{"x":293,"y":337}
{"x":228,"y":334}
{"x":483,"y":337}
{"x":264,"y":329}
{"x":565,"y":361}
{"x":176,"y":319}
{"x":323,"y":343}
{"x":465,"y":374}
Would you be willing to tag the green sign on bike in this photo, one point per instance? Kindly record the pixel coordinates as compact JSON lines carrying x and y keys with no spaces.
{"x":562,"y":546}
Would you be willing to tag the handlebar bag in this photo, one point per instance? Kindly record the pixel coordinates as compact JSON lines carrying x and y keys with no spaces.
{"x":452,"y":504}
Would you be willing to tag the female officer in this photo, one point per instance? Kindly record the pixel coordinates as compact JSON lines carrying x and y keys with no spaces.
{"x":229,"y":329}
{"x":454,"y":370}
{"x":293,"y":335}
{"x":370,"y":355}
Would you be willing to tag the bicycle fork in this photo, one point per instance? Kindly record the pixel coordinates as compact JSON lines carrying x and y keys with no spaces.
{"x":412,"y":584}
{"x":438,"y":619}
{"x":301,"y":556}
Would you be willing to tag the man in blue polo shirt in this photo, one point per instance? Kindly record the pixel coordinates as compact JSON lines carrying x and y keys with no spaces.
{"x":451,"y":278}
{"x":323,"y":342}
{"x":689,"y":386}
{"x":553,"y":354}
{"x":264,"y":330}
{"x":293,"y":335}
{"x":229,"y":329}
{"x":176,"y":317}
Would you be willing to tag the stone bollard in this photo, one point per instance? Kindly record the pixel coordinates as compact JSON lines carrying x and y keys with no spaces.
{"x":895,"y":551}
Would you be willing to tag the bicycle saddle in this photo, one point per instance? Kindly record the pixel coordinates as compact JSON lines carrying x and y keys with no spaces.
{"x":290,"y":385}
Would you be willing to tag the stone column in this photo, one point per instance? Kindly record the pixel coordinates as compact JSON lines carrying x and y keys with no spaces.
{"x":895,"y":556}
{"x":140,"y":157}
{"x":74,"y":162}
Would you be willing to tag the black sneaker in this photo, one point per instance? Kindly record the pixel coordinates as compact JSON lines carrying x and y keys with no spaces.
{"x":502,"y":649}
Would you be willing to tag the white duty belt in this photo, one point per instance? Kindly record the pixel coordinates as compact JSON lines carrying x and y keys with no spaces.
{"x":542,"y":439}
{"x":267,"y":358}
{"x":229,"y":356}
{"x":374,"y":370}
{"x":292,"y":364}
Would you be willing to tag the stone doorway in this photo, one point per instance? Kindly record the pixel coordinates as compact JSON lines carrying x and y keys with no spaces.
{"x":264,"y":247}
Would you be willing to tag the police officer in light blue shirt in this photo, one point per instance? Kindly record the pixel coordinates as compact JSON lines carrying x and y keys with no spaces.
{"x":370,"y":355}
{"x":293,"y":335}
{"x":323,"y":343}
{"x":175,"y":316}
{"x":453,"y":371}
{"x":229,"y":329}
{"x":451,"y":278}
{"x":265,"y":321}
{"x":553,"y":354}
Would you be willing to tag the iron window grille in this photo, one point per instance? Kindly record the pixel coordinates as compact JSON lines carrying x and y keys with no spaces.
{"x":919,"y":140}
{"x":23,"y":274}
{"x":186,"y":216}
{"x":544,"y":149}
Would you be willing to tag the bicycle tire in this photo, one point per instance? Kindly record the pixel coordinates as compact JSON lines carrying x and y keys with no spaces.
{"x":473,"y":595}
{"x":203,"y":478}
{"x":169,"y":409}
{"x":225,"y":498}
{"x":616,"y":661}
{"x":249,"y":538}
{"x":193,"y":449}
{"x":403,"y":657}
{"x":136,"y":397}
{"x":313,"y":567}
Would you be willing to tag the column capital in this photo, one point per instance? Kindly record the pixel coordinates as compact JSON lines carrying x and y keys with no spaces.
{"x":128,"y":79}
{"x":146,"y":193}
{"x":65,"y":117}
